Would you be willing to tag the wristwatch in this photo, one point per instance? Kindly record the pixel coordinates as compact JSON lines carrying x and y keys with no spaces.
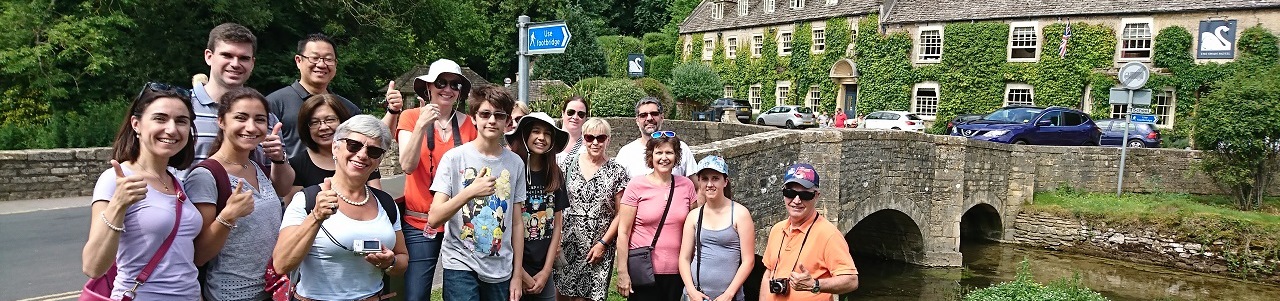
{"x":815,"y":286}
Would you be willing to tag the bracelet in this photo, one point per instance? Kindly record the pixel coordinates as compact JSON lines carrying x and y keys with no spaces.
{"x":224,"y":222}
{"x":103,"y":215}
{"x":285,"y":161}
{"x":392,"y":265}
{"x":602,"y":242}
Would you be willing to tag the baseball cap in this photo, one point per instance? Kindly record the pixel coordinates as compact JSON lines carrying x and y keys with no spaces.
{"x":803,"y":174}
{"x":438,"y":67}
{"x":712,"y":162}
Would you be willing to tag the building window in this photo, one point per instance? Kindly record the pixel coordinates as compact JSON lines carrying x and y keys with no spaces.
{"x":930,"y":45}
{"x":784,"y":43}
{"x":925,"y":99}
{"x":757,"y":45}
{"x":1119,"y":112}
{"x":1019,"y":95}
{"x":708,"y":49}
{"x":728,"y":91}
{"x":797,"y":4}
{"x":744,"y":7}
{"x":688,"y":47}
{"x":754,"y":97}
{"x":717,"y":10}
{"x":819,"y":40}
{"x":769,"y":5}
{"x":815,"y":97}
{"x":1162,"y":105}
{"x":783,"y":91}
{"x":1024,"y":43}
{"x":1135,"y":39}
{"x":731,"y":48}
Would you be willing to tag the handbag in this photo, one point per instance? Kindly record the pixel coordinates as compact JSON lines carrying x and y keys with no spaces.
{"x":99,"y":289}
{"x":640,"y":260}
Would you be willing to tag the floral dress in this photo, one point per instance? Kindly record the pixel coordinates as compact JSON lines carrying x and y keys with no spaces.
{"x":591,"y":209}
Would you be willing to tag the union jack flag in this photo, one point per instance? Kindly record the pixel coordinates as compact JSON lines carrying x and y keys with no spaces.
{"x":1066,"y":35}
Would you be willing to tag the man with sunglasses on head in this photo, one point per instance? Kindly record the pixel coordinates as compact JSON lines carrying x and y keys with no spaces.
{"x":649,"y":116}
{"x":806,"y":257}
{"x":317,"y":62}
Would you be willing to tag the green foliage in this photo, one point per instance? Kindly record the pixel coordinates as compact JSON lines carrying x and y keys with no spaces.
{"x":583,"y":58}
{"x":587,"y":87}
{"x":884,"y":67}
{"x":657,"y":43}
{"x":678,"y":10}
{"x":1173,"y":49}
{"x":615,"y":98}
{"x":1025,"y":288}
{"x":655,"y":88}
{"x":1258,"y":46}
{"x":971,"y":81}
{"x":659,"y":67}
{"x":616,"y":49}
{"x":93,"y":126}
{"x":1239,"y":124}
{"x":694,"y":82}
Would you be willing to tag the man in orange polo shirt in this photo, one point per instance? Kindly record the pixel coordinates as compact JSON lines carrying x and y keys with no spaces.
{"x":806,"y":257}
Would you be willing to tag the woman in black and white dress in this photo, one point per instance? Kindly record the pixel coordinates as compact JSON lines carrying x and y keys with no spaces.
{"x":595,"y":184}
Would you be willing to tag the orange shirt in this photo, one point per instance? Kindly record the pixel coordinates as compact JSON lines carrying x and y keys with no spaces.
{"x":825,"y":254}
{"x":417,"y":186}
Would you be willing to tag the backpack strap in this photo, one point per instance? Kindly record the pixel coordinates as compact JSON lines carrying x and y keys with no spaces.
{"x":222,"y":181}
{"x":385,"y":200}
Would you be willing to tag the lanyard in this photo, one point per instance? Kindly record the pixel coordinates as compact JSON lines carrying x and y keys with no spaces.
{"x":802,"y":243}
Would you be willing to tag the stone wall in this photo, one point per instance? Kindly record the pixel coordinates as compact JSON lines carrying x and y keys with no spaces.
{"x":51,"y":173}
{"x":1134,"y":245}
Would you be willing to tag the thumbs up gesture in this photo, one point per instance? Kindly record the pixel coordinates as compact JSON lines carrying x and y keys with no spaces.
{"x":239,"y":204}
{"x":484,"y":185}
{"x":273,"y":147}
{"x":801,"y":280}
{"x":326,"y":201}
{"x":129,"y":189}
{"x":394,"y":101}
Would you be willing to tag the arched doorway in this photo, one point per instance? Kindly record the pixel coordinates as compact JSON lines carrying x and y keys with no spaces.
{"x":888,"y":234}
{"x":845,"y":75}
{"x":981,"y":223}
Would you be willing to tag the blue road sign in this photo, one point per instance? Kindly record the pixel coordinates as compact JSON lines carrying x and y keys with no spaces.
{"x":1142,"y":118}
{"x":548,"y":37}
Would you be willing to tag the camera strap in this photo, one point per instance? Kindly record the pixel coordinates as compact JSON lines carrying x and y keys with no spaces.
{"x":334,"y":241}
{"x":802,"y":243}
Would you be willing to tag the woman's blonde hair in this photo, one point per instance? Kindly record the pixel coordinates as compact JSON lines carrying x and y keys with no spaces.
{"x":597,"y":123}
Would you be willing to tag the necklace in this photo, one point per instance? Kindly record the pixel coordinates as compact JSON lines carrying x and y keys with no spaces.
{"x":159,"y":179}
{"x":361,"y":203}
{"x":227,"y":160}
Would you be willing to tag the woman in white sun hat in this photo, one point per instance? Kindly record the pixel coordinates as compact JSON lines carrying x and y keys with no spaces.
{"x":537,"y":140}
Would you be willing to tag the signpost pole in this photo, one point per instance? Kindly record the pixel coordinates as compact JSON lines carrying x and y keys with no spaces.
{"x":522,"y":75}
{"x":1124,"y":145}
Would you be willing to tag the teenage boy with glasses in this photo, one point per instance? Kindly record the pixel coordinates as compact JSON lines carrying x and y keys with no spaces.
{"x":649,"y":119}
{"x":815,"y":264}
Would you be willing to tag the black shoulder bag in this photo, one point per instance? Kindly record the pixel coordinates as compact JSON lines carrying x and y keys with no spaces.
{"x":640,"y":260}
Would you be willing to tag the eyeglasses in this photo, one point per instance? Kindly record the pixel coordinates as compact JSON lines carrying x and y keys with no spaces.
{"x":486,"y":114}
{"x":571,"y":112}
{"x":660,"y":134}
{"x":331,"y":121}
{"x":317,"y":59}
{"x":594,"y":138}
{"x":516,"y":119}
{"x":654,"y":114}
{"x":441,"y":83}
{"x":788,"y":194}
{"x":354,"y":146}
{"x":162,"y":87}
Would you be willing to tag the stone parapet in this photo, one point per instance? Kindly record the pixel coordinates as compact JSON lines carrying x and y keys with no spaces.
{"x":51,"y":173}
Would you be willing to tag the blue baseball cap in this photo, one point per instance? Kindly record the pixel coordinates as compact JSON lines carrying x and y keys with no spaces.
{"x":712,"y":162}
{"x":801,"y":173}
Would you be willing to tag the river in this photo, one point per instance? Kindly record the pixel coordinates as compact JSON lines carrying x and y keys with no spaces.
{"x":991,"y":263}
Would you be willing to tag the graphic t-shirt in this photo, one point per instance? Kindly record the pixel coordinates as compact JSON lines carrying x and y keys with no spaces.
{"x":478,"y":236}
{"x":539,"y":220}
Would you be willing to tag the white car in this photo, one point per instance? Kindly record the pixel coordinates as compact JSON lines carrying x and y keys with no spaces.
{"x":893,"y":120}
{"x":788,"y":116}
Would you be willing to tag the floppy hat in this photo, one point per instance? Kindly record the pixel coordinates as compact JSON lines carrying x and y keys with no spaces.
{"x":559,"y":138}
{"x":438,"y":67}
{"x":712,"y":162}
{"x":803,"y":174}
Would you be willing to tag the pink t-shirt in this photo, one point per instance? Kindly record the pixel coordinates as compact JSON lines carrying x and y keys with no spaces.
{"x":650,"y":200}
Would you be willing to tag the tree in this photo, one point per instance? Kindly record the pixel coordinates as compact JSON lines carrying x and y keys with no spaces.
{"x":1239,"y":126}
{"x":694,"y":82}
{"x":678,"y":11}
{"x":582,"y":59}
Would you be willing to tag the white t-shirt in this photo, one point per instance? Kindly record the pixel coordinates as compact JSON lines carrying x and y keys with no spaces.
{"x":631,"y":157}
{"x":329,"y":272}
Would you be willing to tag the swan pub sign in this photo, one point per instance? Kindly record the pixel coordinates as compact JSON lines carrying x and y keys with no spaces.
{"x":1217,"y":39}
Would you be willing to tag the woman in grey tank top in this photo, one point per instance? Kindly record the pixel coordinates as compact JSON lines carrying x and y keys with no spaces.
{"x":718,"y":237}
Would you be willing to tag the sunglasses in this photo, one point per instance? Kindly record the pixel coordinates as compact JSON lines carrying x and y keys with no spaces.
{"x":788,"y":194}
{"x":517,"y":118}
{"x":162,"y":87}
{"x":441,"y":83}
{"x":373,"y":152}
{"x":660,"y":134}
{"x":487,"y":114}
{"x":654,"y":114}
{"x":594,"y":138}
{"x":571,"y":112}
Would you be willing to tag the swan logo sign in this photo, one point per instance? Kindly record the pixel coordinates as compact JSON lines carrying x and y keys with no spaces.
{"x":635,"y":65}
{"x":1217,"y":39}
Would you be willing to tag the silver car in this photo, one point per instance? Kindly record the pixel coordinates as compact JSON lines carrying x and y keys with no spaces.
{"x":788,"y":116}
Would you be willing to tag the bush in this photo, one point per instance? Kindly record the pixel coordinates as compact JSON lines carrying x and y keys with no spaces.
{"x":659,"y":67}
{"x":555,"y":96}
{"x":695,"y":82}
{"x":616,"y":49}
{"x":656,"y":43}
{"x":95,"y":125}
{"x":615,"y":98}
{"x":1024,"y":288}
{"x":655,"y":88}
{"x":1239,"y":125}
{"x":587,"y":87}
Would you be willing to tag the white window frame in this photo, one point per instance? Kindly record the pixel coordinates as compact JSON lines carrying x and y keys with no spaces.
{"x":797,"y":4}
{"x":1165,"y":112}
{"x":819,"y":40}
{"x":744,"y":7}
{"x":688,"y":46}
{"x":757,"y":45}
{"x":770,"y":5}
{"x":925,"y":108}
{"x":1037,"y":41}
{"x":1119,"y":112}
{"x":708,"y":48}
{"x":920,"y":45}
{"x":728,"y":91}
{"x":781,"y":90}
{"x":814,"y":98}
{"x":731,"y":47}
{"x":784,"y":42}
{"x":717,"y":10}
{"x":1010,"y":99}
{"x":1123,"y":37}
{"x":754,"y":97}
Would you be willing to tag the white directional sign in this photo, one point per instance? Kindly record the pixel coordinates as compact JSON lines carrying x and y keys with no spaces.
{"x":1133,"y":75}
{"x":1137,"y":110}
{"x":548,"y":37}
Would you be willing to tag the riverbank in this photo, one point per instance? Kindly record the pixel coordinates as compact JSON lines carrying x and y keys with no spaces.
{"x":1199,"y":233}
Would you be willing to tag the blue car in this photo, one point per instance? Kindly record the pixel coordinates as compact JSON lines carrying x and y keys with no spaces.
{"x":1032,"y":125}
{"x":1140,"y":134}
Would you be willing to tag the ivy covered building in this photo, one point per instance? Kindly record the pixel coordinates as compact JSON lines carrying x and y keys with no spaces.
{"x":939,"y":58}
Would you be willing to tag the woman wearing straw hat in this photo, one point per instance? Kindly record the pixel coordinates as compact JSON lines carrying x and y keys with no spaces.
{"x":536,"y":139}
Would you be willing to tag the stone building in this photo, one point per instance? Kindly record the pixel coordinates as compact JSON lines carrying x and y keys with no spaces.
{"x":1032,"y":32}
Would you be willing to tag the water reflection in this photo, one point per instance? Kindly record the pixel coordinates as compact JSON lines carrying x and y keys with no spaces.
{"x":987,"y":264}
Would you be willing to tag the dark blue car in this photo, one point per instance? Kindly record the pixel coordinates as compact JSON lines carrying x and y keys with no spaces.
{"x":1032,"y":125}
{"x":1140,"y":134}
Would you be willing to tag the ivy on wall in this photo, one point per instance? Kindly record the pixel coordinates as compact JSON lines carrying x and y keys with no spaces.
{"x":885,"y":75}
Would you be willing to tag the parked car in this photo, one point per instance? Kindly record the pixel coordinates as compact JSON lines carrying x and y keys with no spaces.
{"x":1140,"y":134}
{"x":788,"y":116}
{"x":1033,"y":125}
{"x":893,"y":120}
{"x":720,"y":105}
{"x":961,"y":119}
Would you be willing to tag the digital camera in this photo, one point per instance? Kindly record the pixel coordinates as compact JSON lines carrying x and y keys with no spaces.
{"x":366,"y":247}
{"x":780,"y":286}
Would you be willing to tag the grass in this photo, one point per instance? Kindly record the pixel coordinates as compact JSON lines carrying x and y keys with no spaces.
{"x":1025,"y":288}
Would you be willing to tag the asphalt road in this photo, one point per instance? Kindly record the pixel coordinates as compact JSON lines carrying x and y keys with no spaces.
{"x":40,"y":253}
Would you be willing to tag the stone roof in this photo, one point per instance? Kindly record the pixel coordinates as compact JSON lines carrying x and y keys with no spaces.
{"x":700,"y":19}
{"x":404,"y":82}
{"x":536,"y":89}
{"x":917,"y":11}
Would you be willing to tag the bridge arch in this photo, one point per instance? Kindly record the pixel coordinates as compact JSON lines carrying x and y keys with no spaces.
{"x":981,"y":222}
{"x":887,"y":233}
